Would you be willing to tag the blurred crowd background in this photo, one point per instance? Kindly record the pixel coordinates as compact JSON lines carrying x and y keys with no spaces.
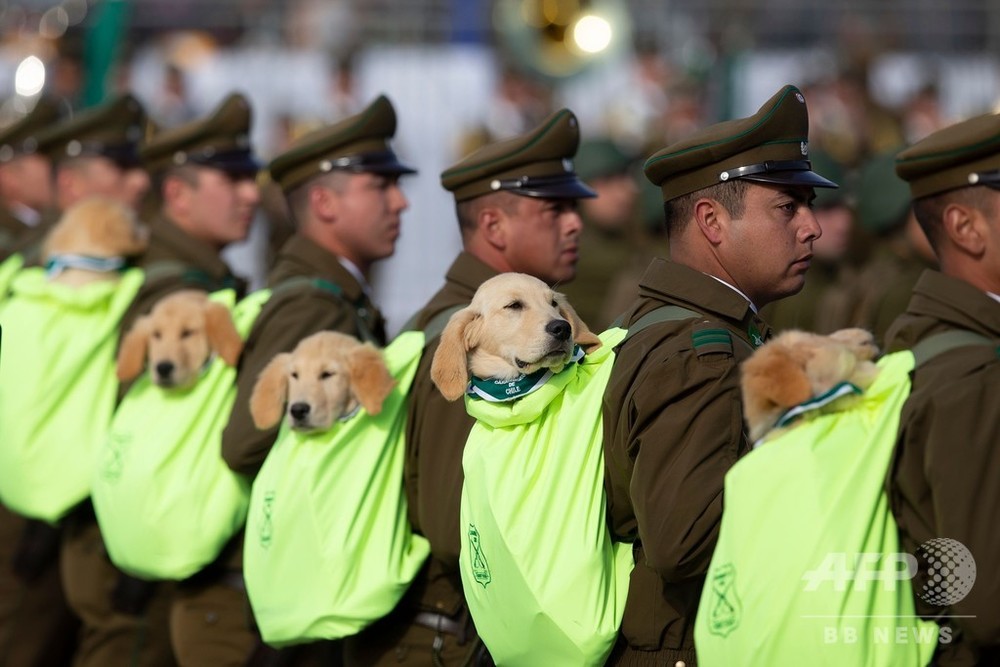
{"x":878,"y":74}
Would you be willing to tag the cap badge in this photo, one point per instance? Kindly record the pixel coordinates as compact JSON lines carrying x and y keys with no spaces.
{"x":799,"y":97}
{"x":804,"y":147}
{"x":567,"y":164}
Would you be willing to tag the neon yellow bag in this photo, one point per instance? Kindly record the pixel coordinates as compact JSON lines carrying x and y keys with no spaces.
{"x":807,"y":569}
{"x":57,"y":388}
{"x":328,"y":546}
{"x":544,"y":581}
{"x":166,"y":501}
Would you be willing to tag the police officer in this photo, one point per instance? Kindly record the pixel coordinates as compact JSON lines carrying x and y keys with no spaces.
{"x":900,"y":249}
{"x":25,"y":178}
{"x":205,"y":173}
{"x":737,"y":205}
{"x":943,"y":481}
{"x":516,"y":206}
{"x":91,"y":153}
{"x":342,"y":187}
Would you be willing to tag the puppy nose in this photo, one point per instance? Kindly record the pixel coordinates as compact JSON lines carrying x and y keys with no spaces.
{"x":558,"y":329}
{"x":299,"y":411}
{"x":164,"y":369}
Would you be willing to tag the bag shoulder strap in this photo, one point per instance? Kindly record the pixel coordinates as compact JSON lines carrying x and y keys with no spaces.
{"x":656,"y":316}
{"x":301,"y":283}
{"x":170,"y":270}
{"x":945,"y":341}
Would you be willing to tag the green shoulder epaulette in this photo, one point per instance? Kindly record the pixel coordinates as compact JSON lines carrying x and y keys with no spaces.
{"x":709,"y":338}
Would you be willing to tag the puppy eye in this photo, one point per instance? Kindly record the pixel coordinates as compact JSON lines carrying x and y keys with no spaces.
{"x":157,"y":335}
{"x":326,"y":375}
{"x":187,"y":333}
{"x":295,"y":376}
{"x":514,"y":305}
{"x":554,"y":304}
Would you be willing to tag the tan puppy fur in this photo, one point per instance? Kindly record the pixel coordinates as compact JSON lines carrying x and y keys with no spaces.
{"x":515,"y":324}
{"x":96,"y":227}
{"x":326,"y":376}
{"x":797,"y":366}
{"x":177,"y":337}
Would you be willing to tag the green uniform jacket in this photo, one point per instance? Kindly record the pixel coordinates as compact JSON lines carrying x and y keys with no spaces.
{"x":194,"y":265}
{"x":886,"y":283}
{"x":28,"y":240}
{"x":673,"y":426}
{"x":286,"y":319}
{"x":945,"y":478}
{"x":11,"y":229}
{"x":436,"y":431}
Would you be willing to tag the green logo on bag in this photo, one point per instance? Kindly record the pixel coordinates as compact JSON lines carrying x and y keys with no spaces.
{"x":114,"y":459}
{"x":480,"y":568}
{"x":265,"y":523}
{"x":725,"y":609}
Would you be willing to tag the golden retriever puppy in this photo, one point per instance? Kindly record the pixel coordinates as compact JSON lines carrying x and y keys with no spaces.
{"x":92,"y":241}
{"x":177,"y":339}
{"x":797,"y":366}
{"x":327,"y":376}
{"x":515,"y":325}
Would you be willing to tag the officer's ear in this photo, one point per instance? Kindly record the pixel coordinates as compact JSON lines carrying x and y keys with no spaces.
{"x":711,"y":218}
{"x":132,"y":353}
{"x":267,"y":402}
{"x":450,"y":366}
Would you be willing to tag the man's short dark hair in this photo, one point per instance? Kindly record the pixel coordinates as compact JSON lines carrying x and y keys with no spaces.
{"x":467,"y":211}
{"x":731,"y":194}
{"x":930,"y":210}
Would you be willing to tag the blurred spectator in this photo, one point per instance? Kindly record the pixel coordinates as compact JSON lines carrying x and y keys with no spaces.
{"x":608,"y":240}
{"x":901,"y":250}
{"x":923,"y":114}
{"x":172,"y":107}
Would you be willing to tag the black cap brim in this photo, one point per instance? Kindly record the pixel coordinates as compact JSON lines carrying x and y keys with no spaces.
{"x":236,"y":163}
{"x":800,"y":177}
{"x":568,"y":187}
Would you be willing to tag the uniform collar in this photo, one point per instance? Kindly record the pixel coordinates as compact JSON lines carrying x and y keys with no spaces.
{"x":353,"y":269}
{"x":676,"y":283}
{"x":737,"y":290}
{"x":955,"y":302}
{"x":168,"y":242}
{"x":310,"y":259}
{"x":469,"y":272}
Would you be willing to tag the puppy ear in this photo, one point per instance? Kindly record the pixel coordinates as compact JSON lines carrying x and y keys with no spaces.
{"x":371,"y":382}
{"x":132,"y":353}
{"x":771,"y":381}
{"x":221,"y":332}
{"x":267,"y":402}
{"x":449,"y":368}
{"x":582,"y":335}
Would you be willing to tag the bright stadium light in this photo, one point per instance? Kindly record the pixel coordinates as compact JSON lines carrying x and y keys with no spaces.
{"x":29,"y":79}
{"x":592,"y":34}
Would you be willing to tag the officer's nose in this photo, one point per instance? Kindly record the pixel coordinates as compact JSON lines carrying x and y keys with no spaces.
{"x":558,"y":329}
{"x":164,"y":369}
{"x":299,"y":411}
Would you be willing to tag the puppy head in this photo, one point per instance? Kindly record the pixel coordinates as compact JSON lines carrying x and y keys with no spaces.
{"x":515,"y":325}
{"x":797,"y":366}
{"x":326,"y":376}
{"x":176,"y":339}
{"x":96,"y":227}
